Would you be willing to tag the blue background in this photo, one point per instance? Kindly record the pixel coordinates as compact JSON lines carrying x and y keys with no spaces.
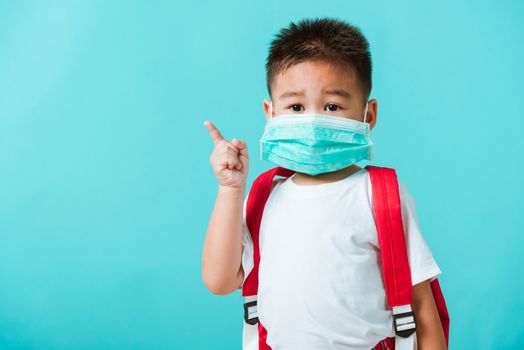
{"x":106,"y":187}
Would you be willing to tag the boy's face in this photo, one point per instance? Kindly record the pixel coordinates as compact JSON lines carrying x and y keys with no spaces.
{"x":318,"y":87}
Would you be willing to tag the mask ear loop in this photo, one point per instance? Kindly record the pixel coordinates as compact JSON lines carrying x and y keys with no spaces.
{"x":366,"y":111}
{"x":270,"y":109}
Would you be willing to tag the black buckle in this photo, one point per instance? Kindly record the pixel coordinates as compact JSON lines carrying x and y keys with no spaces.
{"x":404,"y":333}
{"x":251,"y":321}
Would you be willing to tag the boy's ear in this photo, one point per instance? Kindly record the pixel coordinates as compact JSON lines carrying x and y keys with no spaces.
{"x":265,"y":106}
{"x":371,"y":117}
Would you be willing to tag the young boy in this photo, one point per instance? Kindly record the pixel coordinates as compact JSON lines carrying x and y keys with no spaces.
{"x":320,"y":282}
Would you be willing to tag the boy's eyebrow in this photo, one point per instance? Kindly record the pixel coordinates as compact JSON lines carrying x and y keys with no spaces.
{"x":338,"y":92}
{"x":291,"y":94}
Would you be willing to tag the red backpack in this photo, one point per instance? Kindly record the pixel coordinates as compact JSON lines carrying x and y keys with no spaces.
{"x":396,"y":271}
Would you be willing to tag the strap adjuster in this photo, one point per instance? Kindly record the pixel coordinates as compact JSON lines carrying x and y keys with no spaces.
{"x":404,"y":321}
{"x":250,"y":312}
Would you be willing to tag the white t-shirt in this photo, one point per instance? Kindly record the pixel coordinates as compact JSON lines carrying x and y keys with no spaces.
{"x":320,"y":273}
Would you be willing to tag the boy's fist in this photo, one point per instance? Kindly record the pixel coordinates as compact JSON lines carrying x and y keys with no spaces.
{"x":229,"y":160}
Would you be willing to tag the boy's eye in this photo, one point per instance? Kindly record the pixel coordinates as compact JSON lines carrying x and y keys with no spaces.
{"x":295,"y":109}
{"x":332,"y":107}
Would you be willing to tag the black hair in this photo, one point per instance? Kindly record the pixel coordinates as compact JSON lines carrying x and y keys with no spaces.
{"x":321,"y":39}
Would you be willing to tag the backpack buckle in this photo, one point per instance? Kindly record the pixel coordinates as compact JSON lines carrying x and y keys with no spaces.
{"x":250,"y":312}
{"x":404,"y":321}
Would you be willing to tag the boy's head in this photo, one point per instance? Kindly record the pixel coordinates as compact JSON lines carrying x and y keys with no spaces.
{"x":320,"y":66}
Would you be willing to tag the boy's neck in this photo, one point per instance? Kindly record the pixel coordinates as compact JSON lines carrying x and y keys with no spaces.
{"x":306,"y":179}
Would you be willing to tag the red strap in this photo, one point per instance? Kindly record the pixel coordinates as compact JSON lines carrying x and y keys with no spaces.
{"x":258,"y":195}
{"x":396,"y":270}
{"x":388,"y":220}
{"x":256,"y":202}
{"x":262,"y":338}
{"x":441,"y":307}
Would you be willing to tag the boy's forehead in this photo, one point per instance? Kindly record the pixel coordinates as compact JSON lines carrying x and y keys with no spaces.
{"x":315,"y":77}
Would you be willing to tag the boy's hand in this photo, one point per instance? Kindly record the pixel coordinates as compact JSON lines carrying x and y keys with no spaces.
{"x":229,"y":160}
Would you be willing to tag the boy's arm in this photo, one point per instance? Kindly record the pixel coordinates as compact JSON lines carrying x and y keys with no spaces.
{"x":430,"y":335}
{"x":222,"y":253}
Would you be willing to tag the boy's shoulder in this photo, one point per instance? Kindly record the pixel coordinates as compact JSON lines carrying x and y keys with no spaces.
{"x":276,"y":181}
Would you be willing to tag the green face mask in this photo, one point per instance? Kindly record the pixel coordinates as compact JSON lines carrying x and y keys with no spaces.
{"x":315,"y":143}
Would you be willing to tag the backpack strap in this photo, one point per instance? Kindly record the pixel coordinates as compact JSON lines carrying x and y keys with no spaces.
{"x":388,"y":218}
{"x":255,"y":334}
{"x":442,"y":309}
{"x":258,"y":195}
{"x":393,"y":252}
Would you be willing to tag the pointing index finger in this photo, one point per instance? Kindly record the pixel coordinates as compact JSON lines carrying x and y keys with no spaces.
{"x":216,"y":136}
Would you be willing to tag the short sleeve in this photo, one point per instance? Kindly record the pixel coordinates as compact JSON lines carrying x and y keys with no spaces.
{"x":247,"y":246}
{"x":422,"y":264}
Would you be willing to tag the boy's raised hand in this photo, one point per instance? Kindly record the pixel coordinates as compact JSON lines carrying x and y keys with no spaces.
{"x":229,"y":160}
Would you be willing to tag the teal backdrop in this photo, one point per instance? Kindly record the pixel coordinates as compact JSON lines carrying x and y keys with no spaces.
{"x":106,"y":187}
